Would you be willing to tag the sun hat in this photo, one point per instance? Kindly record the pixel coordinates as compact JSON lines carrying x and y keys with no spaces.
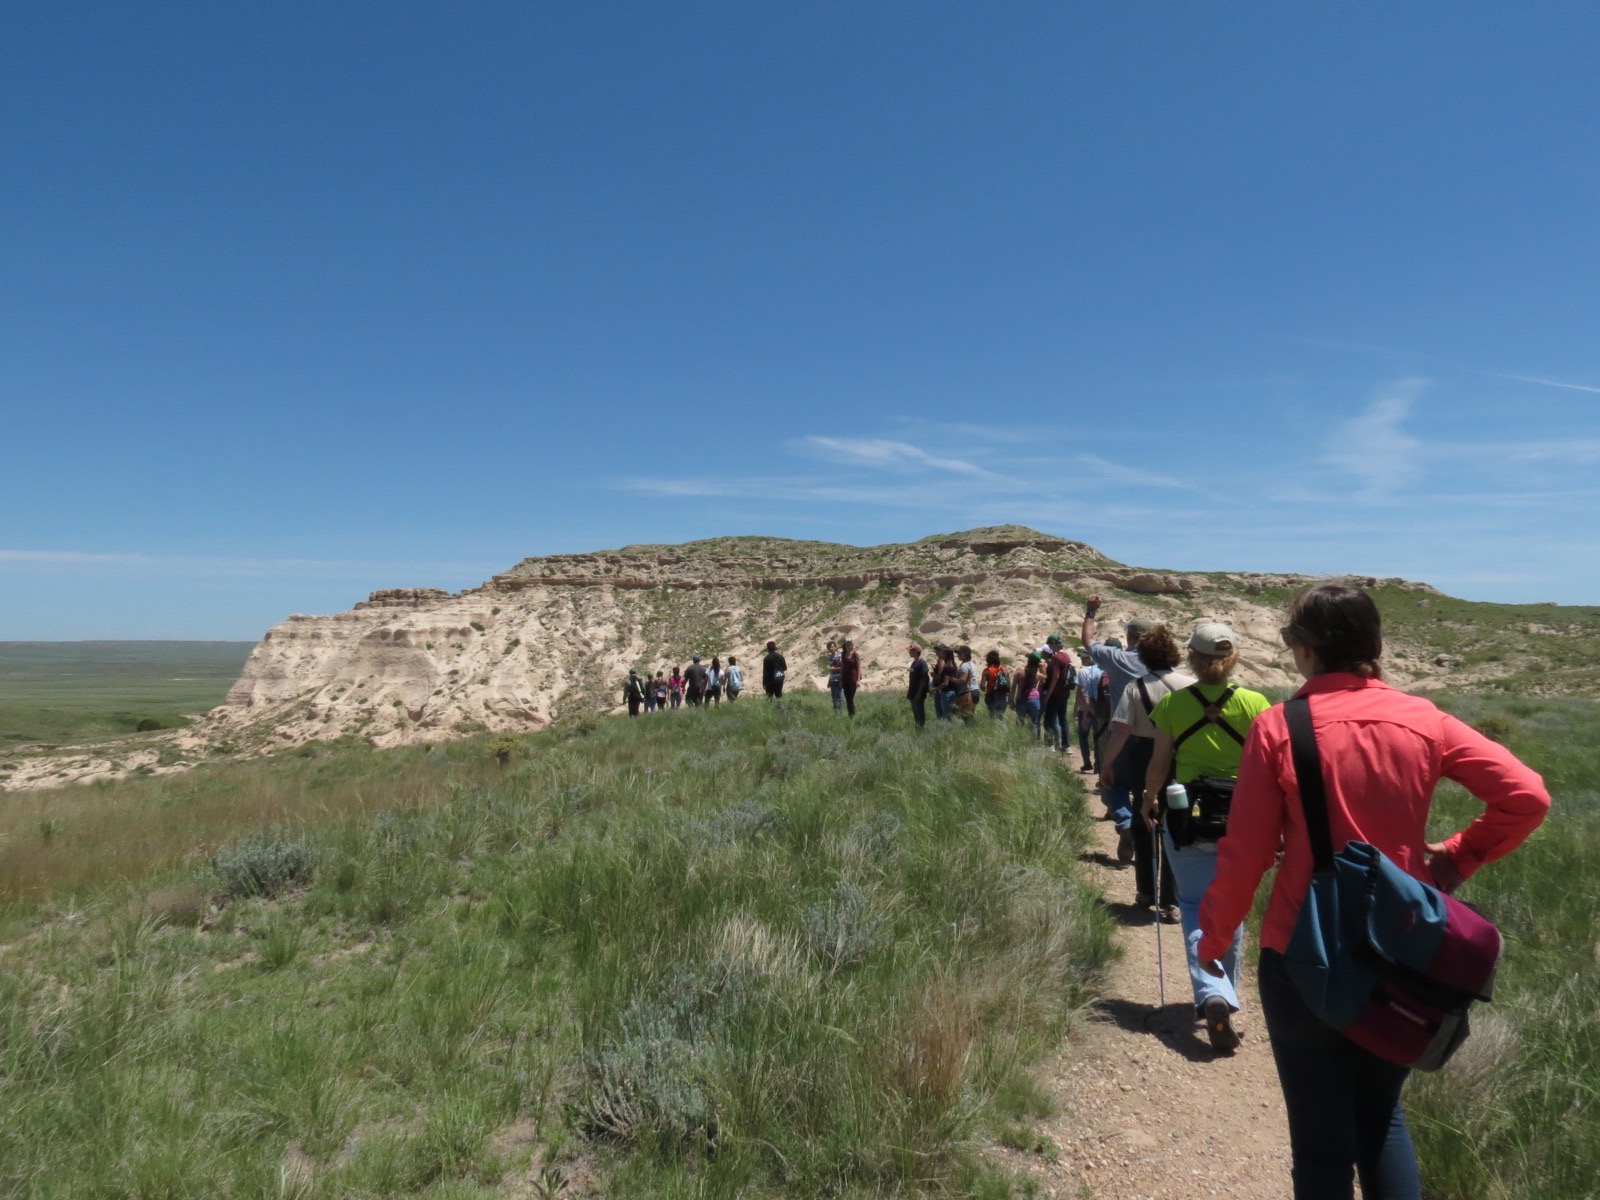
{"x":1114,"y":643}
{"x":694,"y":658}
{"x":1212,"y":637}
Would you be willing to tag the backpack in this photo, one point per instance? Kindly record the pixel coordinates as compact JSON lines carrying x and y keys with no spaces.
{"x":1002,"y":681}
{"x":1387,"y":960}
{"x":631,"y":690}
{"x":1102,"y":701}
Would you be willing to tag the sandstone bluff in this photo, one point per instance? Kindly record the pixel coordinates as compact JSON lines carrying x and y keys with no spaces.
{"x":554,"y":637}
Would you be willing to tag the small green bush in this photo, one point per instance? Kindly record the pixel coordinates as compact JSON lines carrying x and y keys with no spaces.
{"x":148,"y":725}
{"x":263,"y":868}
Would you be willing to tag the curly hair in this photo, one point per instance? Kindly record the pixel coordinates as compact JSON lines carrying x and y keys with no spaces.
{"x":1158,"y":650}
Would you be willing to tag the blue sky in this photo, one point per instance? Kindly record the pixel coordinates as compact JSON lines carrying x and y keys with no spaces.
{"x":302,"y":300}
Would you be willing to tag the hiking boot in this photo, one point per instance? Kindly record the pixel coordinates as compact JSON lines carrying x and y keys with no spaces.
{"x":1169,"y":914}
{"x":1219,"y":1025}
{"x":1125,"y":845}
{"x":1086,"y":769}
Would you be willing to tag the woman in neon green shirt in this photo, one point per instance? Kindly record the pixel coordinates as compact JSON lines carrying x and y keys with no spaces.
{"x":1203,"y":728}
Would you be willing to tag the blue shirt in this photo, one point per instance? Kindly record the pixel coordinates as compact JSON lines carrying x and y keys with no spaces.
{"x":1121,"y":668}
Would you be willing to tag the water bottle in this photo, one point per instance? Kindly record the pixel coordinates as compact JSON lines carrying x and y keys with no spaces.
{"x":1177,"y":797}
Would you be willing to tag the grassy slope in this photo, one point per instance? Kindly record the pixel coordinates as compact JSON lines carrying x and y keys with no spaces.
{"x":1528,"y":648}
{"x":80,"y":691}
{"x":742,"y":952}
{"x":1517,"y":1113}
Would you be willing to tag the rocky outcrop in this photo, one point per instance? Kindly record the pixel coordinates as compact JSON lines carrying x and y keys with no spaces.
{"x":404,"y":598}
{"x":556,"y":635}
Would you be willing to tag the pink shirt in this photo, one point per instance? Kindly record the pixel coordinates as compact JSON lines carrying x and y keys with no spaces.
{"x":1382,"y":754}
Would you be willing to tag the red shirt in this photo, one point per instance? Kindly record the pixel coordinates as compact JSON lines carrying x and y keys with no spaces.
{"x":850,"y":670}
{"x":1382,"y":754}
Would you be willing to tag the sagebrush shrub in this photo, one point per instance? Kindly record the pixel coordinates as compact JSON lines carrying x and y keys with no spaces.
{"x":263,"y":867}
{"x":842,"y":931}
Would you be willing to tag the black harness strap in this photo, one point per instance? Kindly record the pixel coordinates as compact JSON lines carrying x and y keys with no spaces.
{"x":1207,"y":707}
{"x":1308,"y":773}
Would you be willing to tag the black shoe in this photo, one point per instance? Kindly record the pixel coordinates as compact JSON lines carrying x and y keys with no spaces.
{"x":1125,"y":845}
{"x":1219,"y":1025}
{"x":1086,"y":769}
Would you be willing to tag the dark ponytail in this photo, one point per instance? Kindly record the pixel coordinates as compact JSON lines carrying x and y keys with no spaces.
{"x":1341,"y":624}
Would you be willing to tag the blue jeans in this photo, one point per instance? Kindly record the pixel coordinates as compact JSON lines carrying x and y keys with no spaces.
{"x":1085,"y":730}
{"x":837,"y":689}
{"x":1028,"y":712}
{"x":1119,"y":799}
{"x":1194,"y":867}
{"x":1344,"y":1102}
{"x":944,"y":705}
{"x":1055,"y":723}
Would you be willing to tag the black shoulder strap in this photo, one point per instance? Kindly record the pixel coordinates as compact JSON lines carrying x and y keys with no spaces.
{"x":1144,"y":698}
{"x":1308,"y":773}
{"x":1205,"y":718}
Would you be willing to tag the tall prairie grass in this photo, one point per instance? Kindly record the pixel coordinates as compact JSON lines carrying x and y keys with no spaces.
{"x":761,"y":951}
{"x":1517,"y":1113}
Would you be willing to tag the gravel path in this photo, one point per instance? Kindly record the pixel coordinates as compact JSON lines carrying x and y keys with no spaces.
{"x":1145,"y":1107}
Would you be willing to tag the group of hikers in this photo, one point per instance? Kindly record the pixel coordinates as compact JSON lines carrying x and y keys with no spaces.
{"x":702,"y":683}
{"x":1199,"y":776}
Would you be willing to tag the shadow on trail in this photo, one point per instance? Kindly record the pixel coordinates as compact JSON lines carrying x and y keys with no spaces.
{"x":1100,"y":859}
{"x":1173,"y":1026}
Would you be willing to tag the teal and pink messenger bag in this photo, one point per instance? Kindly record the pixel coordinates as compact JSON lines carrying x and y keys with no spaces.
{"x":1389,"y":961}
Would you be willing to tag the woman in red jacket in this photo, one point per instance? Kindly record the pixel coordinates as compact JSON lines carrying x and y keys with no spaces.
{"x":1383,"y":752}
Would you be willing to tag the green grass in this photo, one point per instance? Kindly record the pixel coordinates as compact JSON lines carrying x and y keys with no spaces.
{"x":754,"y":951}
{"x":1517,"y":1112}
{"x":64,"y":692}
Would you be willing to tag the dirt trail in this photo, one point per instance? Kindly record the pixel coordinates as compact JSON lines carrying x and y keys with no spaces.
{"x":1146,"y":1109}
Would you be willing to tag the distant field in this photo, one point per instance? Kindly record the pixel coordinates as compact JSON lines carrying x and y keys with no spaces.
{"x":83,"y":691}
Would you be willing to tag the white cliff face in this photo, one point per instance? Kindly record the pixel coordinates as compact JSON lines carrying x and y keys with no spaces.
{"x":556,"y":636}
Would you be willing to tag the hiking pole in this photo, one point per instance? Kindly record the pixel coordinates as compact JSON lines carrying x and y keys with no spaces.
{"x":1161,"y":969}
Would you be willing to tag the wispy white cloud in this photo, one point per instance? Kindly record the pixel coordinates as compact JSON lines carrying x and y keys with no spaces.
{"x":186,"y":564}
{"x":1545,"y":381}
{"x":883,"y":452}
{"x":1374,"y":448}
{"x":1122,"y":473}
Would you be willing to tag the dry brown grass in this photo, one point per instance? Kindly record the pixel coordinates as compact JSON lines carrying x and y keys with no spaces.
{"x":74,"y":839}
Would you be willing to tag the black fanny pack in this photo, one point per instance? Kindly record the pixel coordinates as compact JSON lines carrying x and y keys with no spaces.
{"x":1206,"y":818}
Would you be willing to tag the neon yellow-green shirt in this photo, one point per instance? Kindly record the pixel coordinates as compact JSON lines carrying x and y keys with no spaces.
{"x":1211,"y":751}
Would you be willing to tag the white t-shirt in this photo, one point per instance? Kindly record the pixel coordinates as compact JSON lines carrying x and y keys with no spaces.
{"x":969,"y":676}
{"x":1130,"y":709}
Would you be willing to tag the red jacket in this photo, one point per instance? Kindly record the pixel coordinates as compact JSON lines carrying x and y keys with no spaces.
{"x":1382,"y":754}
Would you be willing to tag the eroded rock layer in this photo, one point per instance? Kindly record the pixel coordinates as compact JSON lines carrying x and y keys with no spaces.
{"x":556,"y":636}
